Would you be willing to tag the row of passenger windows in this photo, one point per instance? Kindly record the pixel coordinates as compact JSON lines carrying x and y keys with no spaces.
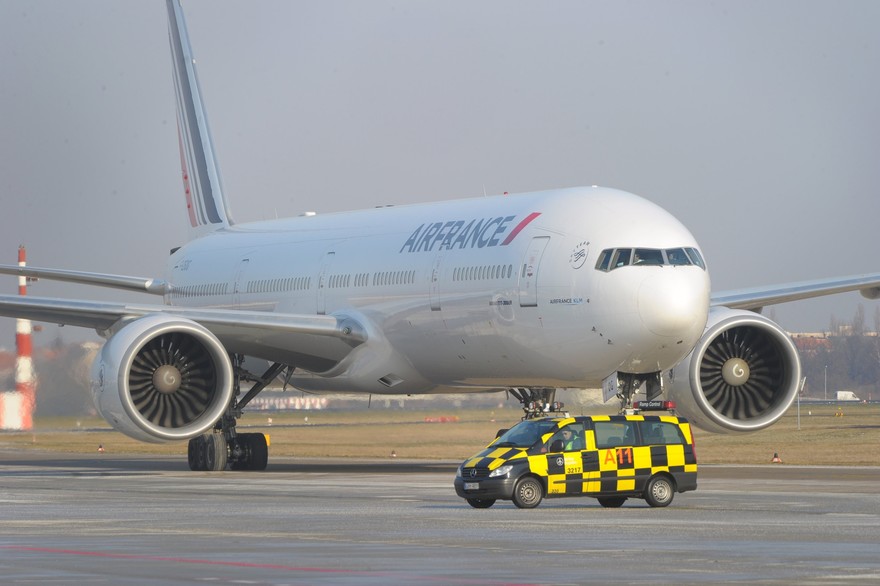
{"x":482,"y":273}
{"x":270,"y":285}
{"x":394,"y":278}
{"x":614,"y":258}
{"x":203,"y":290}
{"x":380,"y":278}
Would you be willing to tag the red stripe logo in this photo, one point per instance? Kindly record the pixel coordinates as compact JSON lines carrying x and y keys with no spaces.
{"x":519,"y":227}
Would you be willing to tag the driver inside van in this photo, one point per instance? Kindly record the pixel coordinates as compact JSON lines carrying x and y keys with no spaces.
{"x":569,"y":438}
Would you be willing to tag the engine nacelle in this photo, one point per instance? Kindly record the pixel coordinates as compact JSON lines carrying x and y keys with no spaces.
{"x":162,"y":378}
{"x":742,"y":375}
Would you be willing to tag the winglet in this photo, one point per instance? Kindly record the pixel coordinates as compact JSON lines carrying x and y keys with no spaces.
{"x":205,"y":202}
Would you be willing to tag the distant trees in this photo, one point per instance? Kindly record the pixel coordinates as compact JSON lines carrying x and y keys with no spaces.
{"x":849,"y":355}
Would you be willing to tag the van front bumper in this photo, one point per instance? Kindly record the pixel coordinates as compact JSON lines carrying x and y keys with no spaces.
{"x":485,"y":488}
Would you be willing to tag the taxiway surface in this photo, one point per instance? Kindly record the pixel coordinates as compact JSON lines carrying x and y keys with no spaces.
{"x":68,"y":519}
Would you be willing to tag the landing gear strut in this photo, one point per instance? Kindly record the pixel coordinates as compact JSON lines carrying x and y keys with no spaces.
{"x":224,"y":445}
{"x":537,"y":402}
{"x":628,"y":385}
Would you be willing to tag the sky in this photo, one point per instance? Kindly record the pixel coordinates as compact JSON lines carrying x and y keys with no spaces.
{"x":755,"y":123}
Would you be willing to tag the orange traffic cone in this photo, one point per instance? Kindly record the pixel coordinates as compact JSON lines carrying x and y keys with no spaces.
{"x":776,"y":459}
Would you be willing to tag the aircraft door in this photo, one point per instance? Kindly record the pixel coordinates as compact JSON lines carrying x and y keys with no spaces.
{"x":238,"y":282}
{"x":528,"y":275}
{"x":322,"y":282}
{"x":435,"y":284}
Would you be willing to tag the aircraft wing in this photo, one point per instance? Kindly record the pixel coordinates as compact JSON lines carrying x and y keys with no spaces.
{"x":140,"y":284}
{"x":757,"y":297}
{"x":319,"y":340}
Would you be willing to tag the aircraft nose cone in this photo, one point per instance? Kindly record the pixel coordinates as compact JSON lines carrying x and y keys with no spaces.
{"x":675,"y":303}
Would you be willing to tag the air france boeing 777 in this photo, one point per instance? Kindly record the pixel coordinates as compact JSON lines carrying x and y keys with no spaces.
{"x":580,"y":287}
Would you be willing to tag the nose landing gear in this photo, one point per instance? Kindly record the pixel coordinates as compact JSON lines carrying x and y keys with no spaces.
{"x":537,"y":402}
{"x":628,"y":384}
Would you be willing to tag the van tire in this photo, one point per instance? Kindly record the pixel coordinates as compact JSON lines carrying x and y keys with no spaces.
{"x":611,"y":502}
{"x":481,"y":503}
{"x":659,"y":491}
{"x":528,"y":493}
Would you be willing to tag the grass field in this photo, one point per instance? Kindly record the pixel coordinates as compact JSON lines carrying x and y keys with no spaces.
{"x":823,"y":438}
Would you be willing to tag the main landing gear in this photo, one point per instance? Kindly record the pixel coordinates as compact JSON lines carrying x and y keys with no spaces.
{"x":224,"y":446}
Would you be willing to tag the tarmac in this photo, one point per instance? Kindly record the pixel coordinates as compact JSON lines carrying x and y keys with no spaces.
{"x":103,"y":518}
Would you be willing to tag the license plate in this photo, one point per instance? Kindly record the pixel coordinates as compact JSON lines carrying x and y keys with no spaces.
{"x":472,"y":486}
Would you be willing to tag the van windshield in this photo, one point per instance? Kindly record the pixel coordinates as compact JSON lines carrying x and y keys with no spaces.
{"x":525,"y":434}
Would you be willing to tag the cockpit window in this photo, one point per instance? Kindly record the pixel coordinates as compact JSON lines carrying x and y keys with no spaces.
{"x":621,"y":257}
{"x":614,"y":258}
{"x":678,"y":257}
{"x":696,"y":257}
{"x":604,"y":260}
{"x":648,"y":256}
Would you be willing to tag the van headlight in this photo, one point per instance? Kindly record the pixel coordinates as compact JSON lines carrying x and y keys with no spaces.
{"x":501,"y":471}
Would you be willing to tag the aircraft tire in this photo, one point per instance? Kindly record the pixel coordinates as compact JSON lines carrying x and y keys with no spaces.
{"x":259,"y":450}
{"x":195,"y":454}
{"x":216,"y":453}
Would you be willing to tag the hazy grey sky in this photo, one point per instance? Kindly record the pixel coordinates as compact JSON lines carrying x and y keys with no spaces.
{"x":755,"y":123}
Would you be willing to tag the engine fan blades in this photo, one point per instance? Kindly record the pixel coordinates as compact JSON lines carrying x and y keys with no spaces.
{"x":765,"y":378}
{"x":195,"y":392}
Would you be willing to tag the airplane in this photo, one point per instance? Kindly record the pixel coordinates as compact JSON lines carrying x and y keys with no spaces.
{"x":568,"y":288}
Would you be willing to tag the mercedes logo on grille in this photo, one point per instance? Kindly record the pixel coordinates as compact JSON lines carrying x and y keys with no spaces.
{"x":473,"y":472}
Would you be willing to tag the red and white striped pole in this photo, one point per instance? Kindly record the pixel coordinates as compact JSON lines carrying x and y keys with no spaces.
{"x":17,"y":408}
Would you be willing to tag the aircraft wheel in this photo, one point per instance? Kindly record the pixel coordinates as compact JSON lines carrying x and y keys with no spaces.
{"x":528,"y":493}
{"x":481,"y":503}
{"x":659,"y":491}
{"x":259,"y":451}
{"x":216,"y":453}
{"x":612,"y":502}
{"x":195,"y":454}
{"x":255,"y":452}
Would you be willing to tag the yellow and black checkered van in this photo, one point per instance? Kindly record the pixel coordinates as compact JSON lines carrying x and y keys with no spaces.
{"x":608,"y":457}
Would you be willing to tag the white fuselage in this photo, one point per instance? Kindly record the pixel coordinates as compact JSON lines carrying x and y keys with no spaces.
{"x":463,"y":295}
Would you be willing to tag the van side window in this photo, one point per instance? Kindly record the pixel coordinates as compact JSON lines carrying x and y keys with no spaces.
{"x":611,"y":434}
{"x":568,"y":439}
{"x":660,"y":433}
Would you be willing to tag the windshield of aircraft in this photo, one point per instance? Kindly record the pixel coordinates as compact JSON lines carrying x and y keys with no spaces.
{"x":525,"y":434}
{"x":614,"y":258}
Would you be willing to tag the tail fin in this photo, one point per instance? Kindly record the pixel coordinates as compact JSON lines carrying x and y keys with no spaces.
{"x":205,"y":202}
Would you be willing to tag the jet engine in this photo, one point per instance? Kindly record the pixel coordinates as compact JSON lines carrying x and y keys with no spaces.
{"x":742,"y":375}
{"x":162,"y":378}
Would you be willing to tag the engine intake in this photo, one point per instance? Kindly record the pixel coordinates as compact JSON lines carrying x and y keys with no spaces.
{"x":742,"y":375}
{"x":162,"y":378}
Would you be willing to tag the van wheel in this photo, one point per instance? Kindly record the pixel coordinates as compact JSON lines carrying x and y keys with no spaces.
{"x":481,"y":503}
{"x":659,"y":491}
{"x":528,"y":493}
{"x":612,"y":502}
